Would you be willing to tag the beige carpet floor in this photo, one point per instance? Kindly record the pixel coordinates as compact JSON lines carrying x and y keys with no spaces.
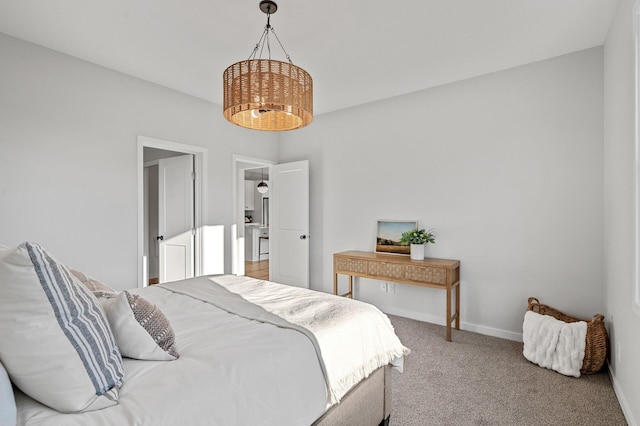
{"x":483,"y":380}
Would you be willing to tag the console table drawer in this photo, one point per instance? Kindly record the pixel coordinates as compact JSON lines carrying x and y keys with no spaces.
{"x":351,"y":265}
{"x":381,"y":269}
{"x":426,"y":275}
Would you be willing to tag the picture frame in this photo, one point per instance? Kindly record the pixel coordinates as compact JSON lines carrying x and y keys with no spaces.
{"x":388,"y":234}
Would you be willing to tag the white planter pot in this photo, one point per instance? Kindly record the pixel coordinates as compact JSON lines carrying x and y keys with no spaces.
{"x":417,"y":251}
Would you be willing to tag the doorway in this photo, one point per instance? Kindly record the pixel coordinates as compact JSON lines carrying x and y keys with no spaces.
{"x":256,"y":222}
{"x":169,"y":215}
{"x":288,"y":233}
{"x":246,"y":172}
{"x":178,"y":254}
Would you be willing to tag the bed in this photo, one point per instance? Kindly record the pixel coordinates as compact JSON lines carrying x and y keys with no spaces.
{"x":240,"y":351}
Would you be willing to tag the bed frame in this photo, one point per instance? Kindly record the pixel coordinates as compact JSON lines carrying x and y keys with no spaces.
{"x":367,"y":404}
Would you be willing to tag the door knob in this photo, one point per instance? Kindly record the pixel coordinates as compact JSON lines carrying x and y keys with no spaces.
{"x":303,"y":237}
{"x":160,"y":237}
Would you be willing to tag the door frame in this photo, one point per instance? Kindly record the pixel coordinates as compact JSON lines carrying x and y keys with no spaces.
{"x":237,"y":223}
{"x":200,"y":197}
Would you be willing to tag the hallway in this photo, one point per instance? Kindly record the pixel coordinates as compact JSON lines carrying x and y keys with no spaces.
{"x":258,"y":269}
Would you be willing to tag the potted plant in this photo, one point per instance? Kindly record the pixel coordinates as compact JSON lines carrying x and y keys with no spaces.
{"x":417,"y":239}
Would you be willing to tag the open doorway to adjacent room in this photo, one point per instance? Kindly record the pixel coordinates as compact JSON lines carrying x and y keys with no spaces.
{"x":256,"y":218}
{"x":251,"y":217}
{"x":171,"y":180}
{"x":285,"y":240}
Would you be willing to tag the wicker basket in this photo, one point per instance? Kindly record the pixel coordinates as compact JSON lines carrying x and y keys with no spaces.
{"x":595,"y":351}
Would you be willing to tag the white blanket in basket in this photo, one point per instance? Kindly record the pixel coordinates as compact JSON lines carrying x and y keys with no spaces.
{"x":554,"y":344}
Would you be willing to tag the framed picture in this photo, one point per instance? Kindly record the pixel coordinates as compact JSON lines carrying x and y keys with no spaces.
{"x":389,"y":233}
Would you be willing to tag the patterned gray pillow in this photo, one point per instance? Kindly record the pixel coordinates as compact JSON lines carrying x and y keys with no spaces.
{"x":141,"y":330}
{"x":99,"y":289}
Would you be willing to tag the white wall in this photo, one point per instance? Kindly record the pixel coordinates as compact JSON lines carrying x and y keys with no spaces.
{"x":68,"y":155}
{"x":623,"y":323}
{"x":507,"y":167}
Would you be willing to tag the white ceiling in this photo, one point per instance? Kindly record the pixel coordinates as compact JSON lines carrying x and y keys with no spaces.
{"x":357,"y":51}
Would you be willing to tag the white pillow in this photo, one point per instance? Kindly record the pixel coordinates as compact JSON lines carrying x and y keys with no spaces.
{"x":7,"y":399}
{"x":55,"y":340}
{"x":140,"y":328}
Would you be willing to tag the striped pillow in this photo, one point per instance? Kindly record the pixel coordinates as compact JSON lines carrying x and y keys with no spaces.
{"x":55,"y":340}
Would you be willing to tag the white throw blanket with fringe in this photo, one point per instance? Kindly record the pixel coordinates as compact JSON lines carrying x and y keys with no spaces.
{"x":554,"y":344}
{"x":352,"y":338}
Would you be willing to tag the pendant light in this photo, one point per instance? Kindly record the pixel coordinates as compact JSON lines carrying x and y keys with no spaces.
{"x":262,"y":186}
{"x":266,"y":94}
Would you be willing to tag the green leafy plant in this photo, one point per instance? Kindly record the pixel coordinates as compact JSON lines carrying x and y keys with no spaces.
{"x":416,"y":236}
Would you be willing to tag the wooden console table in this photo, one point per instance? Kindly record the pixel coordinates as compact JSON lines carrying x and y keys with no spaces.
{"x":436,"y":273}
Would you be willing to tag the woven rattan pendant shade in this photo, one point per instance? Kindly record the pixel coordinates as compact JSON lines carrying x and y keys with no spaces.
{"x":265,"y":94}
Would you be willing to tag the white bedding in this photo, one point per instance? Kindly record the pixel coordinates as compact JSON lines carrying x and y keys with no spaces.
{"x":232,"y":370}
{"x":352,"y":338}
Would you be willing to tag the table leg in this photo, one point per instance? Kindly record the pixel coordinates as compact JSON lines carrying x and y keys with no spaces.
{"x":458,"y":306}
{"x":335,"y":284}
{"x":448,"y":313}
{"x":351,"y":286}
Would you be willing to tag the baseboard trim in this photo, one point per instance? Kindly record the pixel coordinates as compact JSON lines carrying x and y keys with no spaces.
{"x":480,"y":329}
{"x":626,"y":410}
{"x":490,"y":331}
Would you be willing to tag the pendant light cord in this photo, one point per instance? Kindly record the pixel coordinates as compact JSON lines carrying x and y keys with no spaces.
{"x":264,"y":39}
{"x":281,"y":46}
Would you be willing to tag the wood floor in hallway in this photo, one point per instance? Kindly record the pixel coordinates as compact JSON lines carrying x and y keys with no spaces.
{"x":258,"y":269}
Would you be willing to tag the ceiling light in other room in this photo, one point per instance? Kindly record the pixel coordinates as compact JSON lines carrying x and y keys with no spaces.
{"x":262,"y":186}
{"x":265,"y":94}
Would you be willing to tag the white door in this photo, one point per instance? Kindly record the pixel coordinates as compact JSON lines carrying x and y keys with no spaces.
{"x":289,"y":224}
{"x":175,"y":218}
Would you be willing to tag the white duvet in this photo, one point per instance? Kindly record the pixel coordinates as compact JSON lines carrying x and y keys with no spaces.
{"x":234,"y":370}
{"x":352,"y":338}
